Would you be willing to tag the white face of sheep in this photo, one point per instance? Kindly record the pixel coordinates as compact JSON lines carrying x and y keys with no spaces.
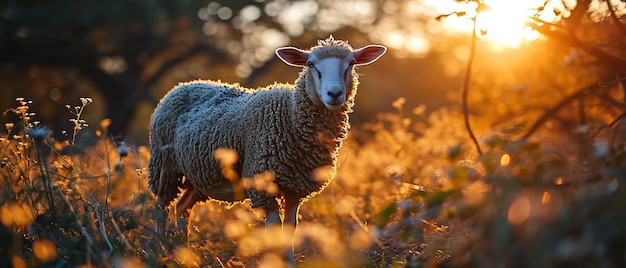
{"x":332,"y":76}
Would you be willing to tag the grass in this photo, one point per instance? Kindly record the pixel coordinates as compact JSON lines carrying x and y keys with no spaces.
{"x":409,"y":192}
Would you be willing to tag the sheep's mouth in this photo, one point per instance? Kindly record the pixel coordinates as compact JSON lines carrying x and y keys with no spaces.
{"x":335,"y":105}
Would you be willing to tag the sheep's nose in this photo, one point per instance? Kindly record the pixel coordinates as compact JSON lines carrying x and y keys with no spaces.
{"x":334,"y":93}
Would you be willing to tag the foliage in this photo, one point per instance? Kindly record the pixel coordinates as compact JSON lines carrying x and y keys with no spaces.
{"x":58,"y":49}
{"x":548,"y":189}
{"x":402,"y":197}
{"x":56,"y":205}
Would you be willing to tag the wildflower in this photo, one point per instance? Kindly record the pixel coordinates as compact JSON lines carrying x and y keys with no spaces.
{"x":398,"y":103}
{"x":38,"y":133}
{"x":86,"y":101}
{"x":121,"y":147}
{"x":9,"y":127}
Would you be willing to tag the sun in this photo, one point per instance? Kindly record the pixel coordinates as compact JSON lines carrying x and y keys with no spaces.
{"x":504,"y":21}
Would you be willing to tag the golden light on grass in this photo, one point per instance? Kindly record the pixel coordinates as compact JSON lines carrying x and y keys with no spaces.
{"x":105,"y":123}
{"x":545,"y":198}
{"x":272,"y":260}
{"x":264,"y":182}
{"x":505,"y":160}
{"x":128,"y":262}
{"x":44,"y":250}
{"x":559,"y":181}
{"x":187,"y":257}
{"x":360,"y":240}
{"x":249,"y":245}
{"x":244,"y":215}
{"x":322,"y":174}
{"x":17,"y":261}
{"x":16,"y":214}
{"x":326,"y":238}
{"x":234,"y":229}
{"x":519,"y":211}
{"x":227,"y":158}
{"x":258,"y":240}
{"x":475,"y":192}
{"x":345,"y":205}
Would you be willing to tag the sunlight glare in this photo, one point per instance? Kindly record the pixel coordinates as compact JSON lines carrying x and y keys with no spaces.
{"x":417,"y":45}
{"x":505,"y":21}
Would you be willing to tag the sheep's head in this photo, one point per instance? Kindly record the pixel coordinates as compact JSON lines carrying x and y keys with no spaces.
{"x":331,"y":67}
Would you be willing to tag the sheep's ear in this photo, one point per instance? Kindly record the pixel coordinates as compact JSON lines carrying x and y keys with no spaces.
{"x":368,"y":54}
{"x":292,"y":56}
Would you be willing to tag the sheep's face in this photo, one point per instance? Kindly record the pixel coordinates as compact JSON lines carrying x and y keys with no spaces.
{"x":331,"y":69}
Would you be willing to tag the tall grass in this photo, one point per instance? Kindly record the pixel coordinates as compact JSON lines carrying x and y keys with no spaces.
{"x":409,"y":192}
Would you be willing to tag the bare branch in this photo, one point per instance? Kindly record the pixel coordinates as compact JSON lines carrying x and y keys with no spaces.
{"x":466,"y":82}
{"x":568,"y":38}
{"x":550,"y":113}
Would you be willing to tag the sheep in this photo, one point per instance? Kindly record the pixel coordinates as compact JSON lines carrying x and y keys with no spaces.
{"x":288,"y":131}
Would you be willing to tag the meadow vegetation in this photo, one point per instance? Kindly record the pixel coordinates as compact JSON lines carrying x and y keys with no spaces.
{"x":409,"y":192}
{"x":543,"y":185}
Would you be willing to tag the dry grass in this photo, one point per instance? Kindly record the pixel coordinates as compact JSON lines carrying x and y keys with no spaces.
{"x":407,"y":193}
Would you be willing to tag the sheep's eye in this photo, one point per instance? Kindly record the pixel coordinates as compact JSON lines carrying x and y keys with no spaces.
{"x":312,"y":66}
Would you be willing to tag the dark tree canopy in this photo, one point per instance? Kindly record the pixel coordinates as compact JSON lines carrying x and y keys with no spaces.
{"x":127,"y":54}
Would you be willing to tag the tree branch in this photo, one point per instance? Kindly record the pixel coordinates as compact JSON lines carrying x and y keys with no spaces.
{"x":552,"y":111}
{"x":466,"y":82}
{"x":568,"y":38}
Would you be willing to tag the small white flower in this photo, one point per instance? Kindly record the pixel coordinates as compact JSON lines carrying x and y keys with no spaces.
{"x":86,"y":101}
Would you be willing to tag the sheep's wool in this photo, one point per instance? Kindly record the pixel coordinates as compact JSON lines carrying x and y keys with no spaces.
{"x":277,"y":129}
{"x":331,"y":48}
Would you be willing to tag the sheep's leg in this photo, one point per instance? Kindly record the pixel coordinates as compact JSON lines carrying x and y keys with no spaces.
{"x":290,"y":223}
{"x":291,"y":212}
{"x":272,"y":221}
{"x":189,"y":198}
{"x":272,"y":218}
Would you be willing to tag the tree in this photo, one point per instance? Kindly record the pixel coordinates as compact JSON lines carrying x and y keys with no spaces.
{"x":110,"y":43}
{"x":131,"y":52}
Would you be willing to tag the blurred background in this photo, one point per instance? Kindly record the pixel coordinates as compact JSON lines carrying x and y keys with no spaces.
{"x":540,"y":82}
{"x":126,"y":54}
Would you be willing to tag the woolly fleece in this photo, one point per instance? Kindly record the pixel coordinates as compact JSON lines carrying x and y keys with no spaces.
{"x":279,"y":128}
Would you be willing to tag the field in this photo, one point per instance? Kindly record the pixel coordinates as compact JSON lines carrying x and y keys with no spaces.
{"x":410,"y":191}
{"x":491,"y":134}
